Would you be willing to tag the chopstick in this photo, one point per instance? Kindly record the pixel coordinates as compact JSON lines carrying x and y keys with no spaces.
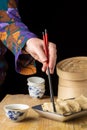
{"x":45,"y":39}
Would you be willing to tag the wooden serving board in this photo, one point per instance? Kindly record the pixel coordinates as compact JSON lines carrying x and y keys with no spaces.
{"x":34,"y":121}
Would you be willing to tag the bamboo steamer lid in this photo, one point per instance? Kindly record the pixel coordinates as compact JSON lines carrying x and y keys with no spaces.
{"x":72,"y":74}
{"x":74,"y":68}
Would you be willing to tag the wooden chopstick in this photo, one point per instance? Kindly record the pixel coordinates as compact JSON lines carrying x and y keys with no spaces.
{"x":45,"y":38}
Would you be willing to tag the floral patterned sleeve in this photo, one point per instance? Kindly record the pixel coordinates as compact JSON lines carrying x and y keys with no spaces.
{"x":14,"y":34}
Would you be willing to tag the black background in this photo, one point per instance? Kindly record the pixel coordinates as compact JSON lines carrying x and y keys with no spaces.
{"x":66,"y":28}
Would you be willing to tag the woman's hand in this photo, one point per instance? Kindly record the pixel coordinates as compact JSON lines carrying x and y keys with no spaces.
{"x":35,"y":47}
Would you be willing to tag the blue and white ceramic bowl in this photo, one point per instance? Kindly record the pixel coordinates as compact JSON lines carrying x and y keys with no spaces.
{"x":16,"y":112}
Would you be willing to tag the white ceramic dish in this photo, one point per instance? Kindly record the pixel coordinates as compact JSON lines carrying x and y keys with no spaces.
{"x":57,"y":117}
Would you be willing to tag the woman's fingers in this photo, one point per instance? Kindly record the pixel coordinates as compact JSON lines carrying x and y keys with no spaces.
{"x":35,"y":47}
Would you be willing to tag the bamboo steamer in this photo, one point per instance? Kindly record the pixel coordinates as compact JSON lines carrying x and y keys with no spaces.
{"x":72,"y":76}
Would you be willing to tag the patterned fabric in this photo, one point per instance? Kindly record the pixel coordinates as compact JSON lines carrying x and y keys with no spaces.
{"x":13,"y":35}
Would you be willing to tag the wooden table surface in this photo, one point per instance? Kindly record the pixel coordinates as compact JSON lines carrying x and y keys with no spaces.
{"x":34,"y":121}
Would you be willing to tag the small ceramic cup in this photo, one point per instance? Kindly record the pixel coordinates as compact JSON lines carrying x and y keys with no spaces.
{"x":36,"y":86}
{"x":16,"y":112}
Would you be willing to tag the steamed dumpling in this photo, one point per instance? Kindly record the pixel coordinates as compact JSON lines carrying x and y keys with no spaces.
{"x":69,"y":106}
{"x":47,"y":106}
{"x":74,"y":106}
{"x":62,"y":107}
{"x":82,"y":100}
